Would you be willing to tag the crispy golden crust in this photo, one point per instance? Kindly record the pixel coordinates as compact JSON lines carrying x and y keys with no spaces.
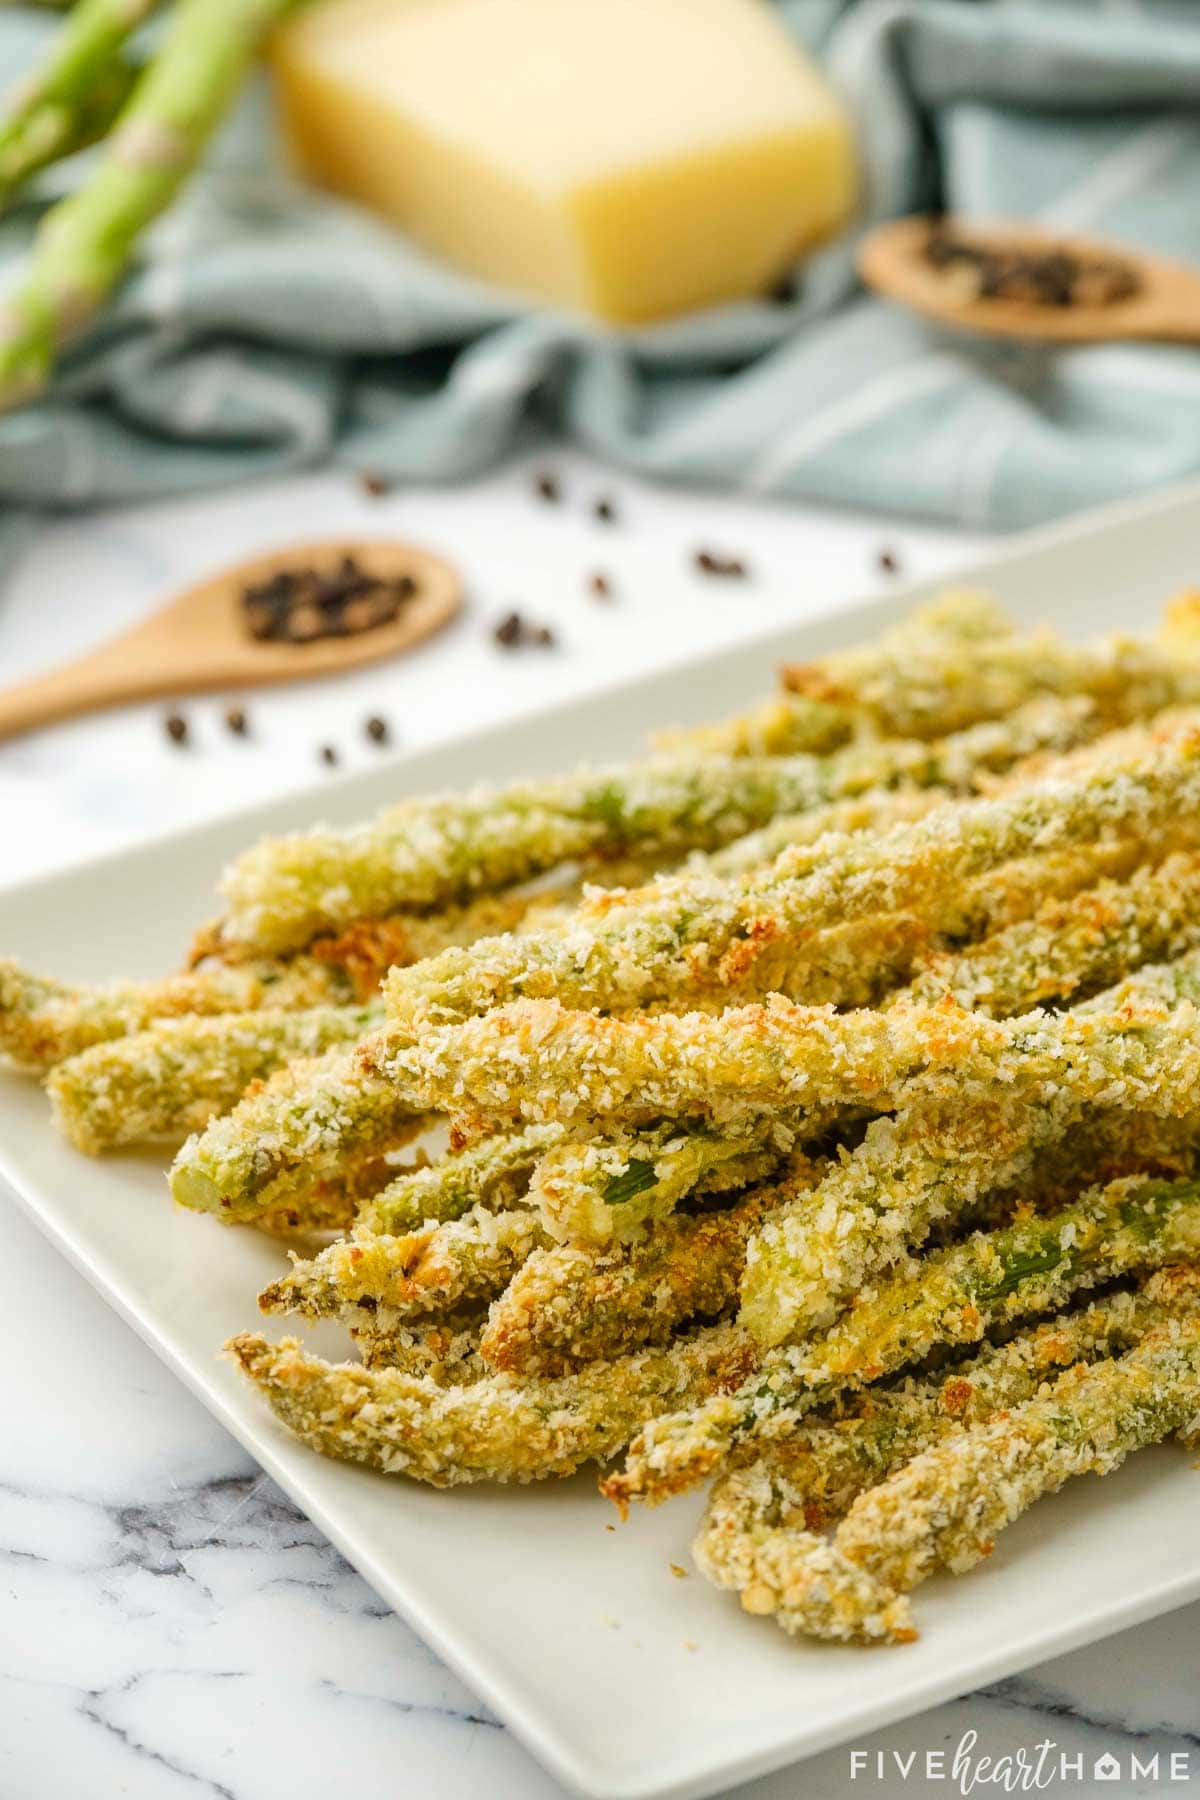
{"x":566,"y":1307}
{"x":430,"y":1271}
{"x":953,"y":1296}
{"x":497,"y":1429}
{"x":156,"y":1086}
{"x":43,"y":1022}
{"x":760,"y":1534}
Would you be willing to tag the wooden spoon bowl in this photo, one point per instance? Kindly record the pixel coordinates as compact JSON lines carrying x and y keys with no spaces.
{"x":1165,"y":304}
{"x":201,"y":641}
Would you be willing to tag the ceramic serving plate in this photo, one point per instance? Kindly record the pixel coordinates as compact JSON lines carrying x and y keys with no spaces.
{"x":624,"y":1680}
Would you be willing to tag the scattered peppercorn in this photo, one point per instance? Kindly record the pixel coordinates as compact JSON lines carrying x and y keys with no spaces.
{"x":600,"y":586}
{"x":605,"y":510}
{"x":546,"y":487}
{"x":513,"y":630}
{"x":236,"y":721}
{"x":329,"y":756}
{"x":374,"y":485}
{"x":176,"y":728}
{"x":710,"y":563}
{"x":889,"y":562}
{"x":377,"y":729}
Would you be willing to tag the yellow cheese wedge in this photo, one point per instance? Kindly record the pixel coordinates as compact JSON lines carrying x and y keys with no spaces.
{"x":635,"y":158}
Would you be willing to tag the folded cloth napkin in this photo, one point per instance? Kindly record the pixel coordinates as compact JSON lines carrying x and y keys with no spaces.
{"x":270,"y":328}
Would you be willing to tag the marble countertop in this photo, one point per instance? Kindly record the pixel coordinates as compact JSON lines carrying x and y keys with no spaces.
{"x":170,"y":1626}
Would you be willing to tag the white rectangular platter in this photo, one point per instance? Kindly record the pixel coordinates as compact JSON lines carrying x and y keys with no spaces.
{"x":623,"y":1680}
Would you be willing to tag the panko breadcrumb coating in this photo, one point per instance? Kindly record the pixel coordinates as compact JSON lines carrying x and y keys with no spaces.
{"x":567,"y":1307}
{"x":158,"y":1085}
{"x":497,"y":1429}
{"x":494,"y":1173}
{"x":945,"y":1508}
{"x":688,"y":931}
{"x":428,"y":1271}
{"x":42,"y":1022}
{"x":953,"y":1297}
{"x":761,"y":1531}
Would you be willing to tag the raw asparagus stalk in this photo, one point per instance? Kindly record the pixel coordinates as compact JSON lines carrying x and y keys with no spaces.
{"x":84,"y":243}
{"x":73,"y":99}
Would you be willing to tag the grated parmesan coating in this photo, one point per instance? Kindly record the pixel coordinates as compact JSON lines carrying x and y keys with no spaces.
{"x":625,"y":950}
{"x":158,"y":1085}
{"x":566,"y":1307}
{"x":761,"y":1533}
{"x":1073,"y":944}
{"x":42,"y":1022}
{"x":429,"y":1271}
{"x":494,"y":1173}
{"x":935,"y":1157}
{"x":498,"y":1429}
{"x":945,"y":1508}
{"x":537,"y":1060}
{"x":593,"y":1190}
{"x":954,"y":1296}
{"x":828,"y":713}
{"x":297,"y":1129}
{"x":285,"y":892}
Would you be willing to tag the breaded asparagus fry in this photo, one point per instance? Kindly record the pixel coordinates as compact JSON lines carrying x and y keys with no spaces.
{"x":536,"y":1060}
{"x":782,"y":725}
{"x":565,"y":1307}
{"x":42,"y":1022}
{"x":946,"y":1145}
{"x":333,"y":1202}
{"x":287,"y":891}
{"x":760,"y":1531}
{"x":946,"y":1506}
{"x":592,"y":1190}
{"x":494,"y":1173}
{"x":294,"y":1131}
{"x":934,"y":1158}
{"x":160,"y":1084}
{"x":497,"y":1429}
{"x":626,"y":950}
{"x":1081,"y":942}
{"x":955,"y":1297}
{"x":445,"y":1350}
{"x":937,"y":685}
{"x":431,"y":1271}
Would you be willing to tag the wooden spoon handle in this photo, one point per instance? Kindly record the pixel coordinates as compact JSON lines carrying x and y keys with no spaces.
{"x":79,"y":687}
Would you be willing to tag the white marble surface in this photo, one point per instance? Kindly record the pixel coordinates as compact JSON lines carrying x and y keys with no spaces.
{"x":169,"y":1625}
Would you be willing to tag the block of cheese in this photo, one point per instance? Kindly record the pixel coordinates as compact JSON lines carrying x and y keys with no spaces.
{"x":633,"y":158}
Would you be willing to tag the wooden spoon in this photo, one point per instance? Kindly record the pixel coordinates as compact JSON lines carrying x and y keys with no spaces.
{"x":1164,"y":305}
{"x":200,"y":641}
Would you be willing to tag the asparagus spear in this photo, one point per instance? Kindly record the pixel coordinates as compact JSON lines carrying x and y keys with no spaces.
{"x":945,"y":1507}
{"x":954,"y":1297}
{"x":430,"y":1271}
{"x":497,"y":1429}
{"x":74,"y":98}
{"x":425,"y":853}
{"x":493,"y":1174}
{"x":734,"y":935}
{"x":84,"y":243}
{"x":162,"y":1083}
{"x":760,"y":1534}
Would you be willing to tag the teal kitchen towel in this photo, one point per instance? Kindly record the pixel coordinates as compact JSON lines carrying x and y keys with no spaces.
{"x":270,"y":328}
